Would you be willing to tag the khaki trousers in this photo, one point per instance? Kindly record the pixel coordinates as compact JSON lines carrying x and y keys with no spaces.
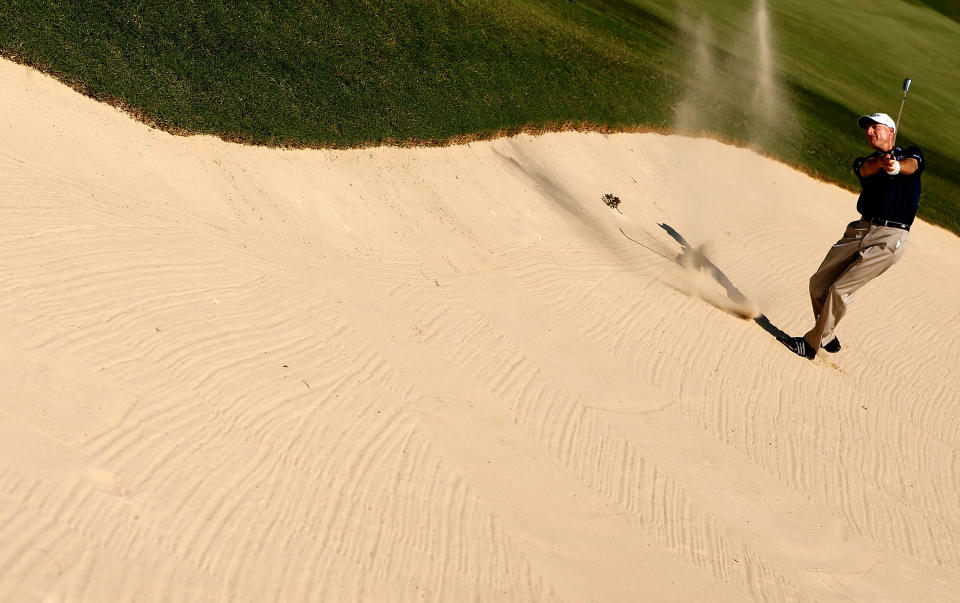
{"x":864,"y":253}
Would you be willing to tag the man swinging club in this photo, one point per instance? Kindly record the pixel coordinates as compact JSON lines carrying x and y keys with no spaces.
{"x":890,"y":193}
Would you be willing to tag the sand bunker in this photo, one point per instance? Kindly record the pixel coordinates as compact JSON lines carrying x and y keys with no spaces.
{"x":447,"y":374}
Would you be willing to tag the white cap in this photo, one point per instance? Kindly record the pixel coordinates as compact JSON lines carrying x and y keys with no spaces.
{"x":877,"y":118}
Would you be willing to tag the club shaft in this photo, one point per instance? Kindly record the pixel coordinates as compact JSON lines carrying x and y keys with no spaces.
{"x":896,"y":129}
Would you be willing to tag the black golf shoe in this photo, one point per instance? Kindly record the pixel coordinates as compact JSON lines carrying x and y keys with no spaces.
{"x":799,"y":346}
{"x":833,"y":346}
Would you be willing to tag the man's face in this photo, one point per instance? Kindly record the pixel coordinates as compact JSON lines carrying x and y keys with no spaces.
{"x":880,"y":136}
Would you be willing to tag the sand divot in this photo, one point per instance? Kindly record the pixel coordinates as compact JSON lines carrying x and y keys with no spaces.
{"x":703,"y":282}
{"x":700,"y":278}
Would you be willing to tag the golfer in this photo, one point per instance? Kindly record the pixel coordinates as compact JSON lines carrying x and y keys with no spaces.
{"x":889,"y":195}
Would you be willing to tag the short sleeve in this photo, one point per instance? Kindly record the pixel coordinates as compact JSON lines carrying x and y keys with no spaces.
{"x":857,"y":164}
{"x":915,"y":153}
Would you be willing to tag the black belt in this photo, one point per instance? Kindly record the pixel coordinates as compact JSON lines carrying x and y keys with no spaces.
{"x":890,"y":223}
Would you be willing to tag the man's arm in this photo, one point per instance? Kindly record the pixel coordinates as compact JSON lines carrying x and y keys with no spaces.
{"x":885,"y":163}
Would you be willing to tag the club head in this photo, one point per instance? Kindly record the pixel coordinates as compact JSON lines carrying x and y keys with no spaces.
{"x":906,"y":84}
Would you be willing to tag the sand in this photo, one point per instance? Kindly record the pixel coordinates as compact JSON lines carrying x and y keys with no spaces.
{"x":448,"y":374}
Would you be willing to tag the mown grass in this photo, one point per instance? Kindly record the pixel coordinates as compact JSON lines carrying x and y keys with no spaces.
{"x":338,"y":74}
{"x":949,"y":8}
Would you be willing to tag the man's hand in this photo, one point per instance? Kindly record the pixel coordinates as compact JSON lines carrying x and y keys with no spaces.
{"x":888,"y":163}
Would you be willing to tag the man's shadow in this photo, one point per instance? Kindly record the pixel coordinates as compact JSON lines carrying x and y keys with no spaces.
{"x":732,"y":292}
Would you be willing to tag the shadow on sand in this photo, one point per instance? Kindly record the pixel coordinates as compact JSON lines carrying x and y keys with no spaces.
{"x":732,"y":292}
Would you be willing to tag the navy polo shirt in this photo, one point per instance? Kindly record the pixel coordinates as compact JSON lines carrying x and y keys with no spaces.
{"x":890,"y":197}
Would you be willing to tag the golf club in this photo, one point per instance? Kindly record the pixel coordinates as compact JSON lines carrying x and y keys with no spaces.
{"x":896,"y":129}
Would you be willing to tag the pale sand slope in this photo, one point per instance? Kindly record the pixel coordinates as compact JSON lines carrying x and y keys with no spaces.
{"x":242,"y":374}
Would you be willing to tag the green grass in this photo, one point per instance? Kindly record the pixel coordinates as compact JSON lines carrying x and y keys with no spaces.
{"x":950,"y":8}
{"x":341,"y":74}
